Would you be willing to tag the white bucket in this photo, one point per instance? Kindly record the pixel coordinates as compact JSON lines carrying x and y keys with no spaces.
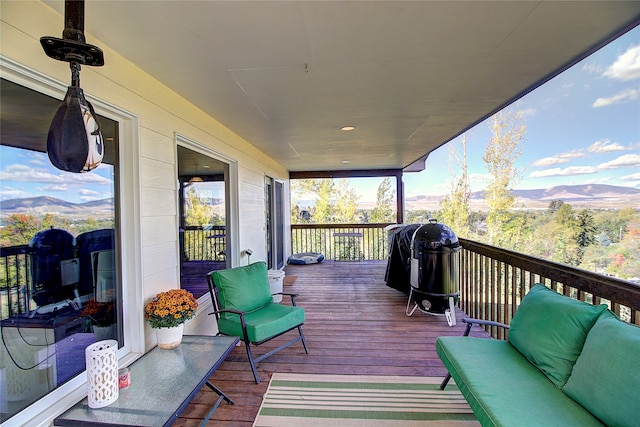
{"x":276,"y":277}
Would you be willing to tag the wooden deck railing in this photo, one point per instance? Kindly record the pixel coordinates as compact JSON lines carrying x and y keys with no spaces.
{"x":341,"y":242}
{"x":204,"y":243}
{"x":493,"y":282}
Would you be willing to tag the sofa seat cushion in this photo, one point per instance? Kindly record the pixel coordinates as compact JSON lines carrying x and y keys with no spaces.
{"x":243,"y":288}
{"x":549,"y":329}
{"x":504,"y":389}
{"x":606,"y":377}
{"x":263,"y":323}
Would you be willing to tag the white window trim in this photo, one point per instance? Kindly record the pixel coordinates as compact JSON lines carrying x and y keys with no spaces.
{"x":43,"y":411}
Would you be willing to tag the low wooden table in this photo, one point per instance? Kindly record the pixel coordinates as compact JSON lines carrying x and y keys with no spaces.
{"x":163,"y":382}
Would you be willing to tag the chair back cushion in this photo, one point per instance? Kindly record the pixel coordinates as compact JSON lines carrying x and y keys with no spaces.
{"x":243,"y":288}
{"x":606,"y":379}
{"x":549,"y":329}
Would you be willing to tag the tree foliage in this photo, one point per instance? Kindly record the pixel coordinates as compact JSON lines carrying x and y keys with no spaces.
{"x":455,"y":210}
{"x":501,"y":153}
{"x":199,"y":212}
{"x":383,"y":211}
{"x":334,"y":201}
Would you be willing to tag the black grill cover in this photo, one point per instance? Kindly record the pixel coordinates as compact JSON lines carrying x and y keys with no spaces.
{"x":398,"y":273}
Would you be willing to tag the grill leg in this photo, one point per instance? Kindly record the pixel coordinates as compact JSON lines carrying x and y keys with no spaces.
{"x":451,"y":313}
{"x":415,"y":304}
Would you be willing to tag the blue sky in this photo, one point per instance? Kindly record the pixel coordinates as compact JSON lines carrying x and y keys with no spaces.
{"x":582,"y":127}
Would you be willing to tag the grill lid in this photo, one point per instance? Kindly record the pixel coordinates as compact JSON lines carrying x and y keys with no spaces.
{"x":435,"y":234}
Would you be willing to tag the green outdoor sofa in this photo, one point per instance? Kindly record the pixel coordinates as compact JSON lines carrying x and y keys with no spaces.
{"x":565,"y":363}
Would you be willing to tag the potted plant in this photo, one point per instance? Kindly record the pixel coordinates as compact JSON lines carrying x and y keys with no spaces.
{"x":167,"y":312}
{"x":99,"y":319}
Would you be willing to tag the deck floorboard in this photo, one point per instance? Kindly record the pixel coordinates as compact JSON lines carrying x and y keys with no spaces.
{"x":355,"y":324}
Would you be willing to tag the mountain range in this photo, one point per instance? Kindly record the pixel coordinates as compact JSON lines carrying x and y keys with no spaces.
{"x":46,"y":204}
{"x":591,"y":195}
{"x":588,"y":195}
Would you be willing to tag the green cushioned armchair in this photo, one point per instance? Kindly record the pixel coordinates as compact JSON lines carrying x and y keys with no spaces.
{"x":244,"y":307}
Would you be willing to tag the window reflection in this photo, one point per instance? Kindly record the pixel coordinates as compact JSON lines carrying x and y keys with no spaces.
{"x":60,"y":287}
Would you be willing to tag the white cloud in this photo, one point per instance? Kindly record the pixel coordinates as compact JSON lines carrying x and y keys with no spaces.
{"x":631,"y":177}
{"x":571,"y":170}
{"x":529,"y":112}
{"x":605,"y":146}
{"x":26,"y":174}
{"x":58,"y":188}
{"x":626,"y":67}
{"x":622,"y":161}
{"x":38,"y":161}
{"x":558,"y":159}
{"x":87,"y":192}
{"x":619,"y":98}
{"x":23,"y":173}
{"x":7,"y":193}
{"x":592,"y":68}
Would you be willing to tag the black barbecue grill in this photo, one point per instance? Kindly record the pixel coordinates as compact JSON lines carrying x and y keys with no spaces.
{"x":435,"y":256}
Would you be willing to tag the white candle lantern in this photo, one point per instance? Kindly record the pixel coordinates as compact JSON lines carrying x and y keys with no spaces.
{"x":102,"y":373}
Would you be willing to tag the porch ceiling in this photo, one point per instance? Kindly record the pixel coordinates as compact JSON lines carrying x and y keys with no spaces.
{"x":410,"y":76}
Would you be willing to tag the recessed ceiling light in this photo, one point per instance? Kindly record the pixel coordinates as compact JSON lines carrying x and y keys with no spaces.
{"x":344,"y":162}
{"x":347,"y":128}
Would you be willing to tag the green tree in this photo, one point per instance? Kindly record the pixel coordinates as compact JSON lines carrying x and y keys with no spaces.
{"x":19,"y":229}
{"x":334,"y":201}
{"x":566,"y":230}
{"x":454,"y":208}
{"x":383,"y":211}
{"x":586,"y":232}
{"x":555,"y":204}
{"x":197,"y":212}
{"x":517,"y":232}
{"x":500,"y":156}
{"x":625,"y":256}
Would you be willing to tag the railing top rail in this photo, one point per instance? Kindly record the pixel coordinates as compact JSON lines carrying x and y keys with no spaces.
{"x":324,"y":226}
{"x":14,"y":250}
{"x":607,"y":287}
{"x":199,"y":227}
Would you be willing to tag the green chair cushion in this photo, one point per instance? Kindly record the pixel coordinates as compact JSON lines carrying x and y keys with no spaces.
{"x":549,"y":329}
{"x":606,"y":378}
{"x":243,"y":288}
{"x":504,"y":389}
{"x":264,"y":323}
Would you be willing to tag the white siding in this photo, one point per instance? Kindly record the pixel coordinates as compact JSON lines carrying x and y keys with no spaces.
{"x":161,"y":114}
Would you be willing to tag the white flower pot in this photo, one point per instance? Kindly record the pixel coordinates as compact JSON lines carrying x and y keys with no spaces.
{"x":169,"y":338}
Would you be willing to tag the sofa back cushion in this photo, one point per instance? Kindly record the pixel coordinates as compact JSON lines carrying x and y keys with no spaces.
{"x":606,"y":378}
{"x":549,"y":329}
{"x":243,"y":288}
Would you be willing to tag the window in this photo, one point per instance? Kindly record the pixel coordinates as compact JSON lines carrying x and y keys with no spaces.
{"x":39,"y":364}
{"x":60,"y":285}
{"x":205,"y":180}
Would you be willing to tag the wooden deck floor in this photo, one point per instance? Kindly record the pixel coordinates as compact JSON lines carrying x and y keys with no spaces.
{"x":355,"y":324}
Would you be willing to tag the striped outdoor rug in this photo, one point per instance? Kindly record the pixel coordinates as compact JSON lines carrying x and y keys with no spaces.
{"x":357,"y":400}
